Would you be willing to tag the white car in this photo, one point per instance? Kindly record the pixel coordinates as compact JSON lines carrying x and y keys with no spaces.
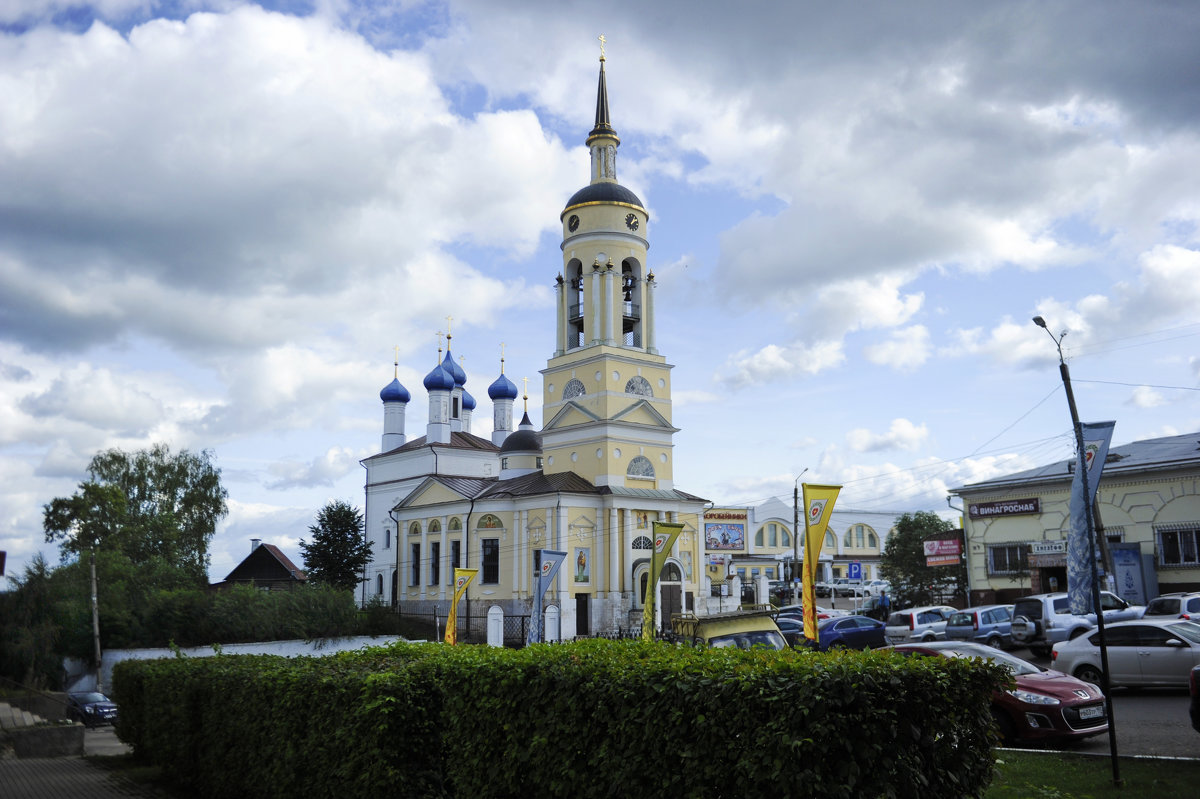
{"x":874,"y":587}
{"x":1143,"y":652}
{"x":927,"y":623}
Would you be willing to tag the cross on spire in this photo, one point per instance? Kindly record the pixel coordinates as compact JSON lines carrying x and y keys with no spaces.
{"x":603,"y":41}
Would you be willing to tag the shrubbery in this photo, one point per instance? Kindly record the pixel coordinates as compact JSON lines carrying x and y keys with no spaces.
{"x":590,"y":718}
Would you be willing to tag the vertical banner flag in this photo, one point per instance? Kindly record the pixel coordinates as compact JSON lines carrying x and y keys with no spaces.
{"x":818,"y":500}
{"x":462,"y":578}
{"x":1096,"y":438}
{"x":545,"y":567}
{"x":665,"y":534}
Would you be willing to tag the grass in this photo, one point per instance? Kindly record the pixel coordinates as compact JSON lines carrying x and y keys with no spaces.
{"x":1059,"y":775}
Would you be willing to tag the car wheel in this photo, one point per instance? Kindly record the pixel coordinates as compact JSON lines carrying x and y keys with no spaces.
{"x":1088,"y":673}
{"x":1005,"y":726}
{"x":995,"y":641}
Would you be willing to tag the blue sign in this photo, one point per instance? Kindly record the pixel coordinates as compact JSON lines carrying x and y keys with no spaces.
{"x":855,"y":571}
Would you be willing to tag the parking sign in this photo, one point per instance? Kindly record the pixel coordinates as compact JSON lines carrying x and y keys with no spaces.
{"x":855,"y":570}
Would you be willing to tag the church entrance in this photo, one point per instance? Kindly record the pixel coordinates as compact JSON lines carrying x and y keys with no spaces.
{"x":671,"y":591}
{"x":583,"y":624}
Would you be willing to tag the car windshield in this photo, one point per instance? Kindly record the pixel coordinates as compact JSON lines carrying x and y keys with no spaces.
{"x":90,"y":697}
{"x":1013,"y":664}
{"x":1186,"y":630}
{"x":898,"y":620}
{"x":758,"y":639}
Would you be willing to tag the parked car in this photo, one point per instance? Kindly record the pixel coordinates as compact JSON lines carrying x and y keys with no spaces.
{"x":797,"y":611}
{"x":985,"y":624}
{"x":1194,"y":707}
{"x":91,"y":707}
{"x":925,"y":623}
{"x":1142,"y":652}
{"x":831,"y":587}
{"x":848,"y":632}
{"x":1042,"y":705}
{"x":1042,"y":620}
{"x":1177,"y":605}
{"x":873,"y":607}
{"x":874,"y":587}
{"x":742,"y":629}
{"x":848,"y":588}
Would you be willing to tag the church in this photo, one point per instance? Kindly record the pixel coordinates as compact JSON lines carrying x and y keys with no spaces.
{"x":590,"y":483}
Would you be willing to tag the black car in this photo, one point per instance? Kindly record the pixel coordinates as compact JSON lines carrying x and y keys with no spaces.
{"x":91,"y":707}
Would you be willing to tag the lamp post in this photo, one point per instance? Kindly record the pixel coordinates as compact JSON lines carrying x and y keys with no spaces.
{"x":1091,"y":535}
{"x":796,"y":536}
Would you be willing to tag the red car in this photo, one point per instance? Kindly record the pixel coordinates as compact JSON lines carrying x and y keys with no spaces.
{"x":1042,"y":705}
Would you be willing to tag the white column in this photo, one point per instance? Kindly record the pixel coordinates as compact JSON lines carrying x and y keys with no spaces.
{"x":445,"y":574}
{"x":614,"y":555}
{"x":608,"y":305}
{"x":628,"y":584}
{"x":596,"y":329}
{"x":648,"y":318}
{"x":424,"y":579}
{"x":561,"y":301}
{"x":516,"y":558}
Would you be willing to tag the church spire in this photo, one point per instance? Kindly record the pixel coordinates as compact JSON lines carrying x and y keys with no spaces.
{"x":603,"y":126}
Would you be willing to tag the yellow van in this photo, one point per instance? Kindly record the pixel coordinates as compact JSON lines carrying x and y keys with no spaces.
{"x":744,"y":629}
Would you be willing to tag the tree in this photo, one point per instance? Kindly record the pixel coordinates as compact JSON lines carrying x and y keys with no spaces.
{"x":339,"y":551}
{"x":903,"y":562}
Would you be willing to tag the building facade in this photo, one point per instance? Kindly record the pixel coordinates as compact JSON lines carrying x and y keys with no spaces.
{"x":1148,"y":516}
{"x":591,"y":482}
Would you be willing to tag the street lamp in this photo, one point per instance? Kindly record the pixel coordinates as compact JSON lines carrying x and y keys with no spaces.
{"x":796,"y":536}
{"x":1091,"y":534}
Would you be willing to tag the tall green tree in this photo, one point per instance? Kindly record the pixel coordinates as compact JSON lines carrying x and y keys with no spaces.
{"x":339,"y":551}
{"x":903,"y":563}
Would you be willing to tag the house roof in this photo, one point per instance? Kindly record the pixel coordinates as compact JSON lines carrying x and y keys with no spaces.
{"x":1138,"y":457}
{"x":266,"y":561}
{"x":458,"y":440}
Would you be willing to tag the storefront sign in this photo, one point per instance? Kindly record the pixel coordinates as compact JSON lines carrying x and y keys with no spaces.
{"x":943,"y":551}
{"x":1004,"y":507}
{"x":1047,"y":547}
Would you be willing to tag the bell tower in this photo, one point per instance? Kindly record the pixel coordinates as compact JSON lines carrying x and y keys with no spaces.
{"x":607,"y":391}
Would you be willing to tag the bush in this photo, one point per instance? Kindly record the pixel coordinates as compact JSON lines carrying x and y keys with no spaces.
{"x":590,"y":718}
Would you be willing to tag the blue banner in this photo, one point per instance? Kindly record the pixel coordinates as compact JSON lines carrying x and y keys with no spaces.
{"x":1096,"y":438}
{"x":545,"y":567}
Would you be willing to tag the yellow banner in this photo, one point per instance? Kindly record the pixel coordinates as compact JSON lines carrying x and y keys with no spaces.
{"x":818,"y":504}
{"x":462,"y":578}
{"x":665,"y":535}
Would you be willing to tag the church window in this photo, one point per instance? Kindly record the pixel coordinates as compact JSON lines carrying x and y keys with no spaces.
{"x":848,"y":539}
{"x":539,"y":461}
{"x":387,"y":537}
{"x":640,"y":386}
{"x":785,"y":538}
{"x":640,"y":467}
{"x":642,"y":542}
{"x":379,"y":584}
{"x":455,"y":554}
{"x":504,"y":463}
{"x":435,"y":558}
{"x":490,"y":558}
{"x":759,"y":537}
{"x":671,"y":574}
{"x":573,"y":388}
{"x":415,"y":578}
{"x":872,"y":541}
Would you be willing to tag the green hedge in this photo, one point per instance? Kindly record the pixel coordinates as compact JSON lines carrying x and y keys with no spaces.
{"x":586,"y":719}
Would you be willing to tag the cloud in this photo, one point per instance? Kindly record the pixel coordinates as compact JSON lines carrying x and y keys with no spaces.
{"x":905,"y":350}
{"x":1145,"y":397}
{"x":325,"y":470}
{"x":773,"y":363}
{"x":903,"y":434}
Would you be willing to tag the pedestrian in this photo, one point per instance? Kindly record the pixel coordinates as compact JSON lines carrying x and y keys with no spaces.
{"x":885,"y":605}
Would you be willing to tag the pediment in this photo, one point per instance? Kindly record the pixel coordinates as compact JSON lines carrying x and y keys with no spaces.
{"x":571,"y":415}
{"x":431,"y":492}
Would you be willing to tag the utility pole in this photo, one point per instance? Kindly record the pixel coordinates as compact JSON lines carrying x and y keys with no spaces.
{"x":796,"y":537}
{"x":1091,"y":533}
{"x":96,"y":622}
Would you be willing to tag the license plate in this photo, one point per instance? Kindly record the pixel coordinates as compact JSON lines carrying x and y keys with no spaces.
{"x":1094,"y":712}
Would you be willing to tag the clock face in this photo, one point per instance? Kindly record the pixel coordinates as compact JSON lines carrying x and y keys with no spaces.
{"x":573,"y":223}
{"x":631,"y":222}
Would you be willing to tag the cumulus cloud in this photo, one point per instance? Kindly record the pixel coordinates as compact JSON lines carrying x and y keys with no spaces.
{"x":903,"y":434}
{"x":904,"y":350}
{"x":1145,"y":397}
{"x":325,"y":470}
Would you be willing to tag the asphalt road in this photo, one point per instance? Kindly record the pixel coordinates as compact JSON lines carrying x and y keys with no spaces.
{"x":1150,"y":722}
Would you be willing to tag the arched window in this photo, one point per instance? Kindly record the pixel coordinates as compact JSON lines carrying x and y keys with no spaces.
{"x":640,"y":386}
{"x":379,"y":584}
{"x":640,"y":467}
{"x":860,"y":537}
{"x":573,"y":388}
{"x":785,"y":538}
{"x":490,"y":521}
{"x":414,"y":528}
{"x":872,"y":541}
{"x":759,"y":537}
{"x":671,"y":573}
{"x":830,"y":544}
{"x":387,"y":537}
{"x":643,"y":542}
{"x":848,"y":539}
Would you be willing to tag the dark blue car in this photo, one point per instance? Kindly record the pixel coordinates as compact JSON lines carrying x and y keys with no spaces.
{"x":849,"y":632}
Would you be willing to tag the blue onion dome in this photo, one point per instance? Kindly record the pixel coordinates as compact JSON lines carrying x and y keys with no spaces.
{"x":468,"y":402}
{"x":394,"y":392}
{"x":439,"y":380}
{"x":456,"y":371}
{"x":503,"y":388}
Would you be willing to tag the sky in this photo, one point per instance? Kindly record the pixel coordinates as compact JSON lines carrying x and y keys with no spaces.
{"x":221,"y":223}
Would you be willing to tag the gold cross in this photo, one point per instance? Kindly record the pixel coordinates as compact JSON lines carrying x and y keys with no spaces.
{"x":501,"y":357}
{"x":449,"y":319}
{"x":602,"y":42}
{"x":397,"y":362}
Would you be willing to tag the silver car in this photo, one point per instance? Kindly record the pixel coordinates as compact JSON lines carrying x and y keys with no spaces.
{"x":927,"y":623}
{"x":1144,"y":652}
